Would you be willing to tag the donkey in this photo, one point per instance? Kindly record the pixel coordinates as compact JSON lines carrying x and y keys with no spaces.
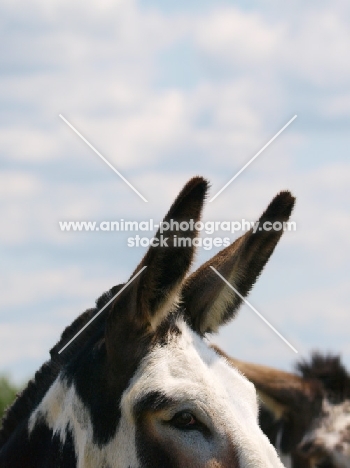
{"x":140,"y":386}
{"x":306,"y":415}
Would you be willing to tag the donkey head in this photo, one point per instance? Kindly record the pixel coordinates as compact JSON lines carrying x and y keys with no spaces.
{"x":327,"y":442}
{"x":306,"y":415}
{"x":144,"y":389}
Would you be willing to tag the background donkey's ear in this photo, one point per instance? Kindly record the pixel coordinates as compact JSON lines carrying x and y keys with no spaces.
{"x":151,"y":296}
{"x":208,"y":300}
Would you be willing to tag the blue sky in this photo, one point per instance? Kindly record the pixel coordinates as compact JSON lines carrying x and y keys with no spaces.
{"x":166,"y":91}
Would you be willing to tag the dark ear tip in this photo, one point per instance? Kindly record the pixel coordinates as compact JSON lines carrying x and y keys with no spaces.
{"x":198,"y":184}
{"x":280,"y":207}
{"x":192,"y":195}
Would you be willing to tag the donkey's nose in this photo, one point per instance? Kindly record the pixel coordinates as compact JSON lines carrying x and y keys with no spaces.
{"x":305,"y":447}
{"x":315,"y":453}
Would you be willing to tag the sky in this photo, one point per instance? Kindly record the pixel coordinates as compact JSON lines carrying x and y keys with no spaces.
{"x":165,"y":91}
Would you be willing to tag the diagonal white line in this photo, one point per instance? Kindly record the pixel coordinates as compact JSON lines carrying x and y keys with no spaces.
{"x":101,"y":310}
{"x":253,"y":309}
{"x":254,"y":157}
{"x":103,"y":158}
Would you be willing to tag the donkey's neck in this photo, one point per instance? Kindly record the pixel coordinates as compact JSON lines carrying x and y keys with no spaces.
{"x":40,"y":441}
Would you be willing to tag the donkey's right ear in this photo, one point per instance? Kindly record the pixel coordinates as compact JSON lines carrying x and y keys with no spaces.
{"x":154,"y":292}
{"x":208,"y":300}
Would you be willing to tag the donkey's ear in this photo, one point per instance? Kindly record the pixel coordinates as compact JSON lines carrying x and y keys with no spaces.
{"x":208,"y":300}
{"x":153,"y":294}
{"x":281,"y":392}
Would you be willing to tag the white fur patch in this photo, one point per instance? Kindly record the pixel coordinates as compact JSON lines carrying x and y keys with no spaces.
{"x":332,"y":432}
{"x":62,"y":408}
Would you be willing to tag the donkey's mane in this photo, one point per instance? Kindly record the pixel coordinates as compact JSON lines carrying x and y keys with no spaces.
{"x":37,"y":387}
{"x":329,"y":370}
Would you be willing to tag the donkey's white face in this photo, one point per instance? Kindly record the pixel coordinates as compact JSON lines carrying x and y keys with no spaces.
{"x":190,"y":404}
{"x":144,"y":390}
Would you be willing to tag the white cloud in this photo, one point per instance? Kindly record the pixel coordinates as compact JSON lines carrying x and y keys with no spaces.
{"x":245,"y":37}
{"x":18,"y":184}
{"x":27,"y":143}
{"x":140,"y":137}
{"x":337,"y":106}
{"x":317,"y":47}
{"x":29,"y":287}
{"x":25,"y":340}
{"x":311,"y":46}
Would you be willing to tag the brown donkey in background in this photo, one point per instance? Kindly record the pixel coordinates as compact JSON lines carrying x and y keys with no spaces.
{"x":305,"y":415}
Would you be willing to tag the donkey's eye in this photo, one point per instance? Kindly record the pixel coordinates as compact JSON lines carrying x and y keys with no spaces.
{"x":184,"y":420}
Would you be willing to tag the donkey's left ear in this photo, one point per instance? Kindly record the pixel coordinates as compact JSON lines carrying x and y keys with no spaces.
{"x":209,"y":302}
{"x":153,"y":293}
